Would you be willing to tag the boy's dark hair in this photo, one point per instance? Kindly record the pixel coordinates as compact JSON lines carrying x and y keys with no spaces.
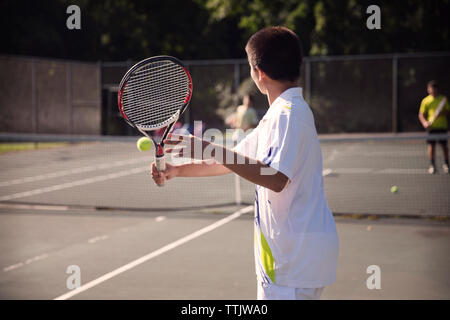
{"x":433,"y":83}
{"x":276,"y":51}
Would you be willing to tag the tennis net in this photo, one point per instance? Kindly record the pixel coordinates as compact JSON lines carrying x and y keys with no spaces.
{"x":109,"y":172}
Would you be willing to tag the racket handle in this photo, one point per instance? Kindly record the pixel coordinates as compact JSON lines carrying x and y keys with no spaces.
{"x":160,"y":165}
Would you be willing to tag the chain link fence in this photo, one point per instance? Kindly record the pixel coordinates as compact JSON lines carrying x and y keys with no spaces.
{"x":371,"y":93}
{"x":366,"y":93}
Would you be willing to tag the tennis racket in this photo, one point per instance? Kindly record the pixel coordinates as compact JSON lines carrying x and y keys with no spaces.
{"x":438,"y":110}
{"x":152,"y":95}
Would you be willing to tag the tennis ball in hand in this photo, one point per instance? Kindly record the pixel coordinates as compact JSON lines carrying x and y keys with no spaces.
{"x":144,"y":144}
{"x":394,"y":189}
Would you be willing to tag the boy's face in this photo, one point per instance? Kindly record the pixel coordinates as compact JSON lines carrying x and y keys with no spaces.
{"x":431,"y":90}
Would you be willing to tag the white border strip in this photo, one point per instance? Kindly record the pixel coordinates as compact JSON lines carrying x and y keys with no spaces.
{"x":154,"y":254}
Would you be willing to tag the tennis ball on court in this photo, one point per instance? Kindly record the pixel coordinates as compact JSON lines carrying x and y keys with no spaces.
{"x":394,"y":189}
{"x":144,"y":144}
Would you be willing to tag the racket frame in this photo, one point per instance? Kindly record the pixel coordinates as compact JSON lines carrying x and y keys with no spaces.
{"x":169,"y":123}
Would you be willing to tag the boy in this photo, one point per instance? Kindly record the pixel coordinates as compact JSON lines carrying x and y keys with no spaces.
{"x":296,"y":244}
{"x":439,"y":126}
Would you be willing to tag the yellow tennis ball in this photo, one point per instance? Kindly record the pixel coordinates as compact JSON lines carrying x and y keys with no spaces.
{"x":144,"y":144}
{"x":394,"y":189}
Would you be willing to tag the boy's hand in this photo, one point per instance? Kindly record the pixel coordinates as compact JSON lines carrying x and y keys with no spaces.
{"x":426,"y":124}
{"x":160,"y":177}
{"x":186,"y":146}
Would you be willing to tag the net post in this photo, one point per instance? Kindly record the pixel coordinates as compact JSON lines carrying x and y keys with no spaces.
{"x":395,"y":93}
{"x":69,"y":95}
{"x":307,"y":80}
{"x":237,"y":178}
{"x":100,"y":94}
{"x":35,"y":113}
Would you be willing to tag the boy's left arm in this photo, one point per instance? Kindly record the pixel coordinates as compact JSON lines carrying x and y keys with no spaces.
{"x":258,"y":173}
{"x":250,"y":169}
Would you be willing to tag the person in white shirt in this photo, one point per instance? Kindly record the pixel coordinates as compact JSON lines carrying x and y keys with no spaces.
{"x":296,"y":243}
{"x":245,"y":117}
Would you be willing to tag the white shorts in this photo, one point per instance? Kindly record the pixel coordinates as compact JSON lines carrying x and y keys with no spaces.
{"x":267,"y":291}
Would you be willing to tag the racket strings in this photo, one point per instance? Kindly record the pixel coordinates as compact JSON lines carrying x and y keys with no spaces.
{"x":138,"y":78}
{"x":139,"y":91}
{"x":153,"y":115}
{"x":155,"y":93}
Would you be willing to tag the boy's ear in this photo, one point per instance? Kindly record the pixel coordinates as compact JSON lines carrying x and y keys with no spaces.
{"x":261,"y":74}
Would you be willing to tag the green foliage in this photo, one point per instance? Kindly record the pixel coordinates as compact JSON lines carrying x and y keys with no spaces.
{"x":203,"y":29}
{"x":334,"y":27}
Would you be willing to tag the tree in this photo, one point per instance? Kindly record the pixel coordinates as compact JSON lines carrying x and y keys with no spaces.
{"x":330,"y":27}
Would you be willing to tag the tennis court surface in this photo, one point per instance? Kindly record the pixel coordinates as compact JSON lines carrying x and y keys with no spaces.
{"x":92,"y":204}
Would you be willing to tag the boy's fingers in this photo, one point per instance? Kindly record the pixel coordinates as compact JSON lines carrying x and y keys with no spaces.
{"x":155,"y":171}
{"x":175,"y":138}
{"x":155,"y":176}
{"x":171,"y":142}
{"x":178,"y":151}
{"x":174,"y":150}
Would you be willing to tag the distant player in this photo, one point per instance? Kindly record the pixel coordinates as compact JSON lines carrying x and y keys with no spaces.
{"x":246,"y":117}
{"x":427,"y":113}
{"x":296,"y":243}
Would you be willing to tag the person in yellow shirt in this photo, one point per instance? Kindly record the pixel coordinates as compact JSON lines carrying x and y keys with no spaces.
{"x":427,"y":110}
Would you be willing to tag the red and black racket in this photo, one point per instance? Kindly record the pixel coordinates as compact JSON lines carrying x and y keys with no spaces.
{"x":152,"y":95}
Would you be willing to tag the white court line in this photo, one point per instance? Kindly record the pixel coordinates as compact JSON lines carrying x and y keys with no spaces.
{"x":14,"y":266}
{"x":403,"y":171}
{"x":28,"y":261}
{"x":63,"y":173}
{"x":328,"y":171}
{"x":353,"y":170}
{"x":154,"y":254}
{"x":160,"y":218}
{"x":76,"y":183}
{"x":97,"y":239}
{"x":33,"y":207}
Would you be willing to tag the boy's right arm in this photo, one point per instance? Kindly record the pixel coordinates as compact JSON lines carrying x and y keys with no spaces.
{"x":202,"y":169}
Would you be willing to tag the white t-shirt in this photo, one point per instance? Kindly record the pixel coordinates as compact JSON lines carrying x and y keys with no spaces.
{"x":296,"y":243}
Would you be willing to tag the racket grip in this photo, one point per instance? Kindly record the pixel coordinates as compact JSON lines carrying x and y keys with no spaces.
{"x":160,"y":165}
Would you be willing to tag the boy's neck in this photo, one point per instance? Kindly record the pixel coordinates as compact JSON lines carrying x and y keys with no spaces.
{"x":276,"y":88}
